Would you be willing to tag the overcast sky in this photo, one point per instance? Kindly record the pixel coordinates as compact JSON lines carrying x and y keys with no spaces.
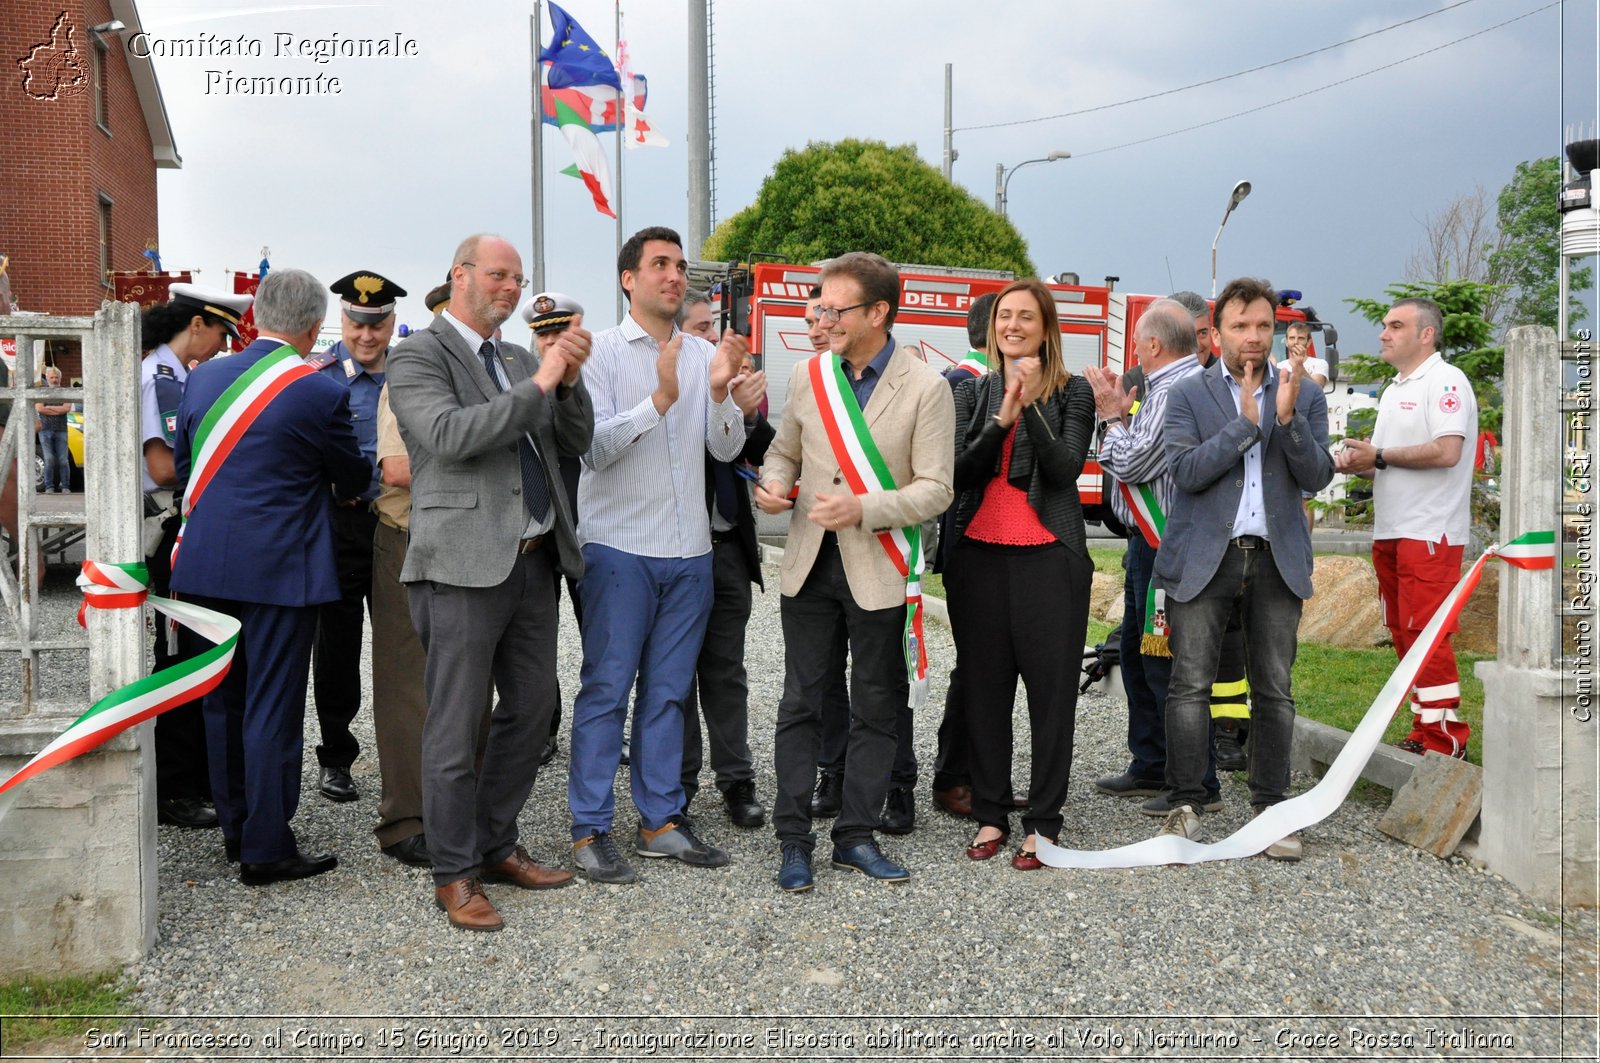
{"x":414,"y":153}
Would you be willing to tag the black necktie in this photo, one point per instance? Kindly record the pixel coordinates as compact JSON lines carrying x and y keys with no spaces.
{"x":535,"y":492}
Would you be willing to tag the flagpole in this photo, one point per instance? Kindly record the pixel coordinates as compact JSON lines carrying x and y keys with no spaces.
{"x":621,"y":132}
{"x":536,"y":270}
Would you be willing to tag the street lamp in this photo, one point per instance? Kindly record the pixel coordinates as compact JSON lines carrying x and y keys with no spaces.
{"x":1240,"y":190}
{"x":1002,"y":177}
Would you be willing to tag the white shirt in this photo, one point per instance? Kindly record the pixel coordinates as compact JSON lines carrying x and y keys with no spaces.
{"x":1428,"y":504}
{"x":1251,"y":516}
{"x":643,"y":486}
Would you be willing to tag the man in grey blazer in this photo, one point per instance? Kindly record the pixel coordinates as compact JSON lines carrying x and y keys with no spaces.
{"x":484,"y":422}
{"x":1243,"y":440}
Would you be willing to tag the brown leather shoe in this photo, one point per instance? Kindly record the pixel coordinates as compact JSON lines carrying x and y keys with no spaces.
{"x":518,"y":869}
{"x":464,"y":902}
{"x":957,"y":800}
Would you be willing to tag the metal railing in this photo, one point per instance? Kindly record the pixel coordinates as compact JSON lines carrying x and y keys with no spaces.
{"x":112,"y":512}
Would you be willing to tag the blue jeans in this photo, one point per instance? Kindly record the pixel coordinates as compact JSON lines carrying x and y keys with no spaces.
{"x":1271,"y":614}
{"x":643,"y":617}
{"x":57,"y":459}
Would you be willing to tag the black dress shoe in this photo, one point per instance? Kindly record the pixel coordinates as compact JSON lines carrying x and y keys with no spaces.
{"x":829,"y":796}
{"x":899,"y":812}
{"x":743,"y":808}
{"x":336,"y":784}
{"x":185,"y":812}
{"x":287,"y":870}
{"x":230,"y":848}
{"x":412,"y":851}
{"x":548,"y":754}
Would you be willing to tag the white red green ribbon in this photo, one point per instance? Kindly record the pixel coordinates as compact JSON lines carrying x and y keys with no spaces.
{"x":1320,"y":802}
{"x":107,"y":586}
{"x":866,"y":472}
{"x":235,"y":410}
{"x":1535,"y":550}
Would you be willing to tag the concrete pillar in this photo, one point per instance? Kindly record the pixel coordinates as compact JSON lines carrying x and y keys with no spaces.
{"x":78,"y":847}
{"x":1539,"y":746}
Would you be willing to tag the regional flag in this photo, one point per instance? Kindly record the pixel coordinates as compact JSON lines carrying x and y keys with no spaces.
{"x":590,"y":155}
{"x":574,"y":57}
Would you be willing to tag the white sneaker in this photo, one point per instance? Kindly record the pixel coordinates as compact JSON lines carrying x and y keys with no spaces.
{"x":1288,"y":848}
{"x":1183,"y":821}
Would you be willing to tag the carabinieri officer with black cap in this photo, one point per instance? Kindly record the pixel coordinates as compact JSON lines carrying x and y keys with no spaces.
{"x":190,"y":328}
{"x":358,"y":360}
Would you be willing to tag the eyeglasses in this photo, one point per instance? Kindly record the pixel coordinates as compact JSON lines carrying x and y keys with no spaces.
{"x":500,"y":276}
{"x":829,"y":316}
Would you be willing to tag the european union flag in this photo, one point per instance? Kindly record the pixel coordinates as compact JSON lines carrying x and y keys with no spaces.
{"x":575,"y":59}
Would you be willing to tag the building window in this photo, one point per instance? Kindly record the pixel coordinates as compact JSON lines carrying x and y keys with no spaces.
{"x":105,"y":238}
{"x":100,"y":89}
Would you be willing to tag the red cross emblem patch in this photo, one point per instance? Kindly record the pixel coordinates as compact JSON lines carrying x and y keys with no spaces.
{"x":1449,"y":402}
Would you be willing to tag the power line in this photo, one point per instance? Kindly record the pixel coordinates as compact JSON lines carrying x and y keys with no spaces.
{"x":1320,"y":88}
{"x":1215,"y":80}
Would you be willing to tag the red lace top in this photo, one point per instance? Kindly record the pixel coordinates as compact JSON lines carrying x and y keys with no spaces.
{"x":1005,"y":516}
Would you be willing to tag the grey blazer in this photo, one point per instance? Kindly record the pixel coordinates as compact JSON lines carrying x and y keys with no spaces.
{"x":461,"y":435}
{"x":1206,"y":441}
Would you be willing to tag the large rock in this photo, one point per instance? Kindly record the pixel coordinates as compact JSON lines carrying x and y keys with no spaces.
{"x":1343,"y":610}
{"x":1105,"y":597}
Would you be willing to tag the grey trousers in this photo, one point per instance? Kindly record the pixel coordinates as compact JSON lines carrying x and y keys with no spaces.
{"x":472,"y":635}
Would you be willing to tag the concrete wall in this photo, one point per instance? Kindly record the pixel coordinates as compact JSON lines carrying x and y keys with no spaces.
{"x":76,"y":897}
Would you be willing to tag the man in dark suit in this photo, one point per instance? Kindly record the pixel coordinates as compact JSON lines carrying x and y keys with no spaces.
{"x":484,"y":423}
{"x":1243,"y":441}
{"x":258,"y":545}
{"x":720,"y":689}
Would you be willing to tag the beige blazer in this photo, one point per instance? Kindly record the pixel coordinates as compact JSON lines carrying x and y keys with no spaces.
{"x":912,"y":419}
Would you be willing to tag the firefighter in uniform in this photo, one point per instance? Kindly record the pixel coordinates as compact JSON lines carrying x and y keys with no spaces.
{"x":189,"y":329}
{"x":357,"y":361}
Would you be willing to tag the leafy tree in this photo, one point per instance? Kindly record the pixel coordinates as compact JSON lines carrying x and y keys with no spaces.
{"x":1529,"y":258}
{"x":863,"y":195}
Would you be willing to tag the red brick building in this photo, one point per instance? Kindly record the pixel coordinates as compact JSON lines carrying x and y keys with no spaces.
{"x":85,"y":131}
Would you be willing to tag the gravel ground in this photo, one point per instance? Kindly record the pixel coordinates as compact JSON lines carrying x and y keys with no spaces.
{"x":1362,"y":949}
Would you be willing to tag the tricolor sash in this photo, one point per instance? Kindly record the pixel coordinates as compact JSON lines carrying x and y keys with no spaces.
{"x":107,"y":586}
{"x":235,"y":410}
{"x":866,"y":472}
{"x":973,"y":364}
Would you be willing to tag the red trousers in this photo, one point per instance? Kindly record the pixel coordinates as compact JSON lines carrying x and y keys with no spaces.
{"x":1414,"y":577}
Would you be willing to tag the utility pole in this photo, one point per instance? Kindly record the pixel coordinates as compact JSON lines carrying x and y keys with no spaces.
{"x":949,"y":133}
{"x":699,"y":132}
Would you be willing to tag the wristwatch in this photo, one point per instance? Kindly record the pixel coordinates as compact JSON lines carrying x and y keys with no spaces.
{"x":1377,"y":460}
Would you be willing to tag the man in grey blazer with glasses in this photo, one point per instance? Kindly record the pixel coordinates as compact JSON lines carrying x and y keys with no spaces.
{"x":484,"y":422}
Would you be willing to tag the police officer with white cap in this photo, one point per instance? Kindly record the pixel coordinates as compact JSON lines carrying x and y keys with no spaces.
{"x":189,"y":329}
{"x":357,"y":360}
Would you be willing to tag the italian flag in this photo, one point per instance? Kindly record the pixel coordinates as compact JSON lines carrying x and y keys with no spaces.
{"x":591,"y":157}
{"x":1535,"y":550}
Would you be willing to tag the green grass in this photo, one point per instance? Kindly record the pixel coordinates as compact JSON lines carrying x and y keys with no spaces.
{"x":63,"y":999}
{"x":1336,"y":686}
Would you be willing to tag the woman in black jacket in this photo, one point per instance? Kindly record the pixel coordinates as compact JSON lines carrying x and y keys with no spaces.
{"x":1019,"y":573}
